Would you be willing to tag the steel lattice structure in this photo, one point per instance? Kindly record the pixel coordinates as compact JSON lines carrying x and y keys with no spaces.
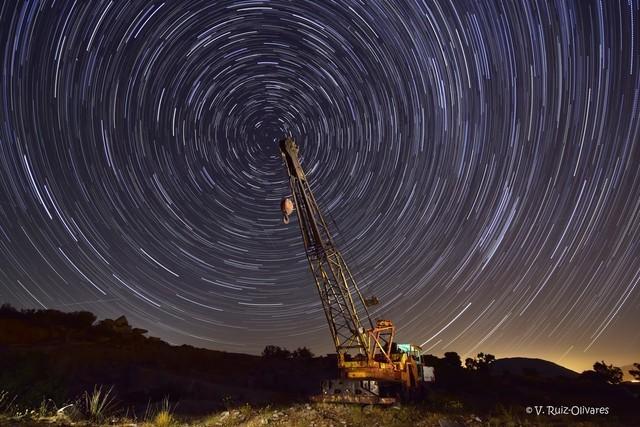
{"x":343,"y":304}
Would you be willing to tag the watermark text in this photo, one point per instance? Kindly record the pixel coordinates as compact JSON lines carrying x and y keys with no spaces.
{"x":575,"y":410}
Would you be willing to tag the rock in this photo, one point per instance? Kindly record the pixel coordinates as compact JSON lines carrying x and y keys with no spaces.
{"x":65,"y":408}
{"x":449,"y":423}
{"x":69,"y":412}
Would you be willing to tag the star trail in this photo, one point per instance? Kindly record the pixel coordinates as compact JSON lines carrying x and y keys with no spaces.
{"x":479,"y":163}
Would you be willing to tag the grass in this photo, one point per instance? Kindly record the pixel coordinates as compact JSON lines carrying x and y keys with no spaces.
{"x":100,"y":404}
{"x":100,"y":410}
{"x":6,"y":403}
{"x":164,"y":417}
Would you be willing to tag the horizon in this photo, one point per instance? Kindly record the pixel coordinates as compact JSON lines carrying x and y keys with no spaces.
{"x":573,"y":367}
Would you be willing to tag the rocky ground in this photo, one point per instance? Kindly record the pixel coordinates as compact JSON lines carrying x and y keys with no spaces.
{"x":325,"y":415}
{"x":311,"y":415}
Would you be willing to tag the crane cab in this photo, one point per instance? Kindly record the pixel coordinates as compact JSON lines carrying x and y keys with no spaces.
{"x":424,"y":373}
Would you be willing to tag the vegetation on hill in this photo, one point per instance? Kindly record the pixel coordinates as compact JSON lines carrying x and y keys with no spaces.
{"x":70,"y":368}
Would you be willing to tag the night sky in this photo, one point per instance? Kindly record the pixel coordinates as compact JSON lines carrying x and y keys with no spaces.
{"x":479,"y":164}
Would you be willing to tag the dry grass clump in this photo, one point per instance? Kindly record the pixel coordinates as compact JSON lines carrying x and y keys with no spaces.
{"x":98,"y":405}
{"x":162,"y":416}
{"x":6,"y":402}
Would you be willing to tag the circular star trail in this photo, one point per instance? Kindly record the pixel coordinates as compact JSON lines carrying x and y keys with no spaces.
{"x":479,"y":163}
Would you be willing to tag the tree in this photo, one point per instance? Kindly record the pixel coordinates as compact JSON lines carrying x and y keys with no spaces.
{"x":609,"y":373}
{"x":470,"y":363}
{"x":430,"y":360}
{"x":591,"y":376}
{"x":302,"y":353}
{"x":481,"y":363}
{"x":452,"y":359}
{"x":448,"y":370}
{"x":275,"y":352}
{"x":635,"y":372}
{"x":7,"y":310}
{"x":81,"y":319}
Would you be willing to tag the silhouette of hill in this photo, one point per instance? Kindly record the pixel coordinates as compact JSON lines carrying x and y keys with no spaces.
{"x":531,"y":367}
{"x":60,"y":355}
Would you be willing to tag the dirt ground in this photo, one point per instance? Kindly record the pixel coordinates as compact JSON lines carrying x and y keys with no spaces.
{"x":313,"y":415}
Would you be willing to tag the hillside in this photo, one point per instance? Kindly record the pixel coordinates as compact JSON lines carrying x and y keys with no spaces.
{"x":51,"y":362}
{"x":60,"y":355}
{"x":532,"y":367}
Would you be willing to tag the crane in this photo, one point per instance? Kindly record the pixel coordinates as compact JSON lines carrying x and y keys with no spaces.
{"x":373,"y":368}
